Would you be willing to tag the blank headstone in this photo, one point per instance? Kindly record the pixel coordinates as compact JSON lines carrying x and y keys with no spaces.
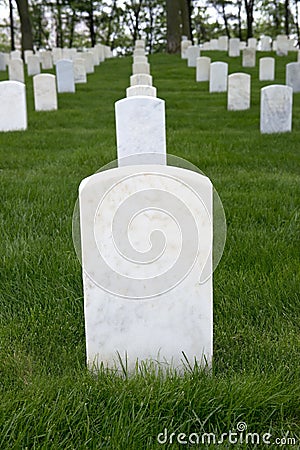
{"x":276,"y":109}
{"x":203,"y":68}
{"x":141,"y":78}
{"x":79,"y":71}
{"x":46,"y":60}
{"x":266,"y":43}
{"x":88,"y":61}
{"x":243,"y":45}
{"x":13,"y":112}
{"x":140,"y":43}
{"x":2,"y":62}
{"x":16,"y":70}
{"x":293,"y":76}
{"x":266,"y":69}
{"x":33,"y":65}
{"x":184,"y":46}
{"x":139,"y":52}
{"x":26,"y":54}
{"x":65,"y":76}
{"x":141,"y":90}
{"x":57,"y":54}
{"x":223,"y":43}
{"x":140,"y":59}
{"x":45,"y":97}
{"x":252,"y":43}
{"x":16,"y":54}
{"x":214,"y":44}
{"x":239,"y":85}
{"x":234,"y":47}
{"x":140,"y":126}
{"x":249,"y":57}
{"x":282,"y":45}
{"x":218,"y":77}
{"x":141,"y":68}
{"x":193,"y":52}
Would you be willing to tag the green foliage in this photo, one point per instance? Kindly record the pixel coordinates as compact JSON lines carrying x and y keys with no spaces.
{"x":48,"y":398}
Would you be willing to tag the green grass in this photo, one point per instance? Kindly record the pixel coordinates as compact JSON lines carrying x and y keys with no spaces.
{"x":48,"y":398}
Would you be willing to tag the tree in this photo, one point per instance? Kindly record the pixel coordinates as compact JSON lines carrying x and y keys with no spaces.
{"x":249,"y":7}
{"x":12,"y":27}
{"x":26,"y":30}
{"x":178,"y":23}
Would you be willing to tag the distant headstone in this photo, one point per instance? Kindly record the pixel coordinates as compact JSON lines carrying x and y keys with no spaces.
{"x":65,"y":76}
{"x":79,"y":71}
{"x":2,"y":62}
{"x":140,"y":59}
{"x":218,"y":77}
{"x":203,"y":68}
{"x":214,"y":44}
{"x":140,"y":43}
{"x":206,"y":46}
{"x":234,"y":47}
{"x":138,"y":68}
{"x":46,"y":60}
{"x":223,"y":43}
{"x":141,"y":78}
{"x":57,"y":54}
{"x":293,"y":76}
{"x":276,"y":109}
{"x":193,"y":52}
{"x":140,"y":126}
{"x":266,"y":43}
{"x":96,"y":58}
{"x":242,"y":45}
{"x":282,"y":45}
{"x":26,"y":54}
{"x":252,"y":43}
{"x":266,"y":69}
{"x":239,"y":85}
{"x":16,"y":70}
{"x":141,"y":90}
{"x":249,"y":57}
{"x":16,"y":54}
{"x":44,"y":88}
{"x":101,"y":52}
{"x":184,"y":46}
{"x":88,"y":61}
{"x":33,"y":65}
{"x":13,"y":112}
{"x":139,"y":52}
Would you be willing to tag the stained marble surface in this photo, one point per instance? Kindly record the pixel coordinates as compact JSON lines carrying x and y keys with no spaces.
{"x":65,"y":76}
{"x":140,"y":127}
{"x":141,"y":90}
{"x":202,"y":68}
{"x":276,"y":109}
{"x":267,"y":69}
{"x":13,"y":110}
{"x":218,"y":77}
{"x":239,"y":86}
{"x":146,"y":235}
{"x":141,"y":78}
{"x":44,"y":89}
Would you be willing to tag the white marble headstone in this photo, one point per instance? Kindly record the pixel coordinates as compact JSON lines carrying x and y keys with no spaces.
{"x":33,"y":65}
{"x":140,"y":43}
{"x":193,"y":52}
{"x":140,"y":59}
{"x":26,"y":54}
{"x":46,"y":60}
{"x":65,"y":76}
{"x":16,"y":54}
{"x":252,"y":43}
{"x":265,"y":43}
{"x":239,"y":86}
{"x":282,"y":45}
{"x":218,"y":77}
{"x":141,"y":90}
{"x":203,"y":68}
{"x":44,"y":88}
{"x":293,"y":76}
{"x":146,"y":237}
{"x":140,"y":127}
{"x":249,"y":57}
{"x":214,"y":44}
{"x":266,"y":69}
{"x":13,"y":110}
{"x":79,"y":70}
{"x":223,"y":43}
{"x":276,"y":109}
{"x":184,"y":46}
{"x":57,"y":54}
{"x":2,"y":62}
{"x":141,"y":68}
{"x":141,"y":78}
{"x":139,"y":52}
{"x":88,"y":61}
{"x":16,"y":70}
{"x":234,"y":47}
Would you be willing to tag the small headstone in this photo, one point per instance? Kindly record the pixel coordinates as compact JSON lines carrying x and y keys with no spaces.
{"x":203,"y":68}
{"x":242,"y":45}
{"x":282,"y":45}
{"x":96,"y":58}
{"x":16,"y":54}
{"x":266,"y":69}
{"x":252,"y":43}
{"x":46,"y":60}
{"x":141,"y":78}
{"x":79,"y":71}
{"x":140,"y":43}
{"x":214,"y":44}
{"x":223,"y":43}
{"x":218,"y":77}
{"x":234,"y":47}
{"x":293,"y":76}
{"x":2,"y":62}
{"x":45,"y":97}
{"x":249,"y":57}
{"x":184,"y":46}
{"x":57,"y":54}
{"x":140,"y":126}
{"x":140,"y":59}
{"x":138,"y":68}
{"x":139,"y":52}
{"x":206,"y":46}
{"x":265,"y":43}
{"x":65,"y":76}
{"x":26,"y":54}
{"x":88,"y":61}
{"x":33,"y":65}
{"x":193,"y":52}
{"x":276,"y":109}
{"x":239,"y":85}
{"x":13,"y":112}
{"x":16,"y":70}
{"x":133,"y":91}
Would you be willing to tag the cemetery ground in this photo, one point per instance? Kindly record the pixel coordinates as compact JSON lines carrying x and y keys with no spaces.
{"x":49,"y":400}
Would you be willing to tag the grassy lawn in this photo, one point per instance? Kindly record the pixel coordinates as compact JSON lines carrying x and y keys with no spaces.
{"x":48,"y":398}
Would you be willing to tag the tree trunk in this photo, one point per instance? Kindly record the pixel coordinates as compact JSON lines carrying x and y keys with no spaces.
{"x":286,"y":17}
{"x":92,"y":24}
{"x":173,"y":26}
{"x":186,"y":10}
{"x":225,"y":20}
{"x":58,"y":21}
{"x":12,"y":27}
{"x":240,"y":19}
{"x":249,"y":5}
{"x":26,"y":31}
{"x":297,"y":22}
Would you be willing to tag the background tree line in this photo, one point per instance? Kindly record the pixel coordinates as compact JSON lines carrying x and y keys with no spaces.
{"x":82,"y":23}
